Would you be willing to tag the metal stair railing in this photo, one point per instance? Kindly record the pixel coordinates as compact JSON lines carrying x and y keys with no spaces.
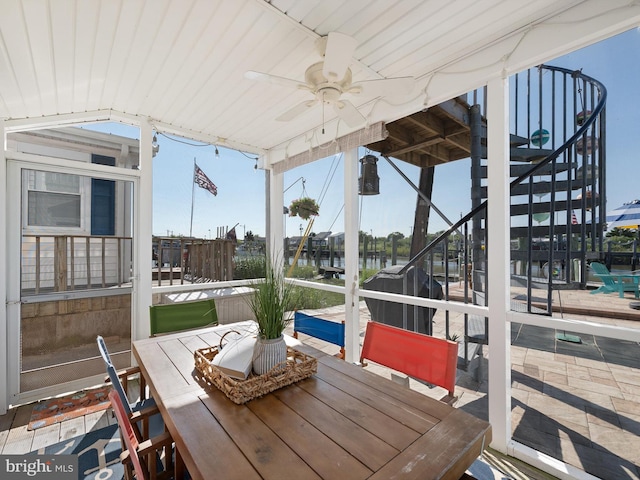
{"x":592,"y":95}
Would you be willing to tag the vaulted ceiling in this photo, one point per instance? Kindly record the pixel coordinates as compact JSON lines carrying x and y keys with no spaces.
{"x":181,"y":64}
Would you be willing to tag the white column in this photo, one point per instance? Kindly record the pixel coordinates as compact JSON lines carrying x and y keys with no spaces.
{"x":351,"y":268}
{"x":498,"y":251}
{"x":142,"y":238}
{"x":4,"y":333}
{"x":275,"y":220}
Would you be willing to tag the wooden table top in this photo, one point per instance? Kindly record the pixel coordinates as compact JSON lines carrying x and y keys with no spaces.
{"x":342,"y":422}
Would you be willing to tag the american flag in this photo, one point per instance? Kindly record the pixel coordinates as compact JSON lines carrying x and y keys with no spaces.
{"x":574,"y":220}
{"x":203,"y":181}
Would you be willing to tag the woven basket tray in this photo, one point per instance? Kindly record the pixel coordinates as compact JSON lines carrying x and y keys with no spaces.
{"x":297,"y":367}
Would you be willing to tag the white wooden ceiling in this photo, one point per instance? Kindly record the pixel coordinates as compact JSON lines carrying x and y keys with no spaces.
{"x":181,"y":63}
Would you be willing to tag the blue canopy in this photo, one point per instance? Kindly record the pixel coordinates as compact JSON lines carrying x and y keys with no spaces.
{"x":625,"y":216}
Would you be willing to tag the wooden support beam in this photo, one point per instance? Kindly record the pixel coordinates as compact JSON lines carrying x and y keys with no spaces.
{"x":457,"y":110}
{"x":421,"y":219}
{"x":416,"y":146}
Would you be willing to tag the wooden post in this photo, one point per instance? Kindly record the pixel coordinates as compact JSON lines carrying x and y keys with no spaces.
{"x":332,"y":250}
{"x":88,"y":257}
{"x":60,"y":264}
{"x":37,"y":265}
{"x":229,"y":258}
{"x":394,"y":250}
{"x":364,"y":252}
{"x":73,"y":261}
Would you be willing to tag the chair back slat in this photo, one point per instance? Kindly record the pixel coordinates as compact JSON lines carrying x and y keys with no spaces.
{"x":173,"y":317}
{"x":414,"y":354}
{"x":128,"y":435}
{"x":332,"y":332}
{"x":102,"y":346}
{"x":603,"y":272}
{"x":119,"y":389}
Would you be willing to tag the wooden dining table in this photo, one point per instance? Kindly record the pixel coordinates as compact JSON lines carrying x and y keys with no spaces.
{"x":342,"y":422}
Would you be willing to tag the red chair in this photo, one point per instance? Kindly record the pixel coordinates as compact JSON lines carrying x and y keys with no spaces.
{"x":420,"y":356}
{"x":142,"y":459}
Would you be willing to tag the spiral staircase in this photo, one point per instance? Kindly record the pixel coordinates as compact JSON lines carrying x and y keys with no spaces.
{"x":558,"y":141}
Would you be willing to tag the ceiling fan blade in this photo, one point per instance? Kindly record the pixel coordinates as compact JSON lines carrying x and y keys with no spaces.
{"x":275,"y":80}
{"x":296,"y":111}
{"x":349,"y":113}
{"x":338,"y":55}
{"x":386,"y":86}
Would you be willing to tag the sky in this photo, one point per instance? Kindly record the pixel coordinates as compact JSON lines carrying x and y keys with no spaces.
{"x":241,"y":187}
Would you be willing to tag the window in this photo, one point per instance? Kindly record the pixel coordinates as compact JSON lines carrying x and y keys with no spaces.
{"x":53,"y":200}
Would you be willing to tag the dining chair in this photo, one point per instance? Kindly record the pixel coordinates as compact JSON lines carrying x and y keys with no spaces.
{"x":142,"y":412}
{"x":143,"y":459}
{"x":429,"y":359}
{"x":124,"y":374}
{"x":332,"y":332}
{"x":173,"y":317}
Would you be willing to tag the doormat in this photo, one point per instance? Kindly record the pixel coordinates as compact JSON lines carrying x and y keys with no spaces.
{"x":54,"y":410}
{"x":98,"y":453}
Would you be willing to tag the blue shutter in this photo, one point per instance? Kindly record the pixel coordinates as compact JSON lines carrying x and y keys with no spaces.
{"x":103,"y":200}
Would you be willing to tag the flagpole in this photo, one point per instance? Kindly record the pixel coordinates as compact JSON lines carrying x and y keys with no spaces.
{"x":193,"y":188}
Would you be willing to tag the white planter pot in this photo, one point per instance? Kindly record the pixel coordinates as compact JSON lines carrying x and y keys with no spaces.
{"x":268,"y":353}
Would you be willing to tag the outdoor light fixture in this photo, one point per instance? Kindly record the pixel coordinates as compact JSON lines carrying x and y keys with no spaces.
{"x":369,"y":182}
{"x":217,"y":153}
{"x":155,"y":148}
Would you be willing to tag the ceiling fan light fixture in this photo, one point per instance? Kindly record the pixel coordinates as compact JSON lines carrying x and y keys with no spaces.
{"x":330,"y":79}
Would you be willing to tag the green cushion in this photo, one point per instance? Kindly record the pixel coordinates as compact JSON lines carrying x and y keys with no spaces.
{"x":173,"y":317}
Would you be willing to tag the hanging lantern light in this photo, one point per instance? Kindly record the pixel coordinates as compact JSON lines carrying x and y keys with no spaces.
{"x":369,"y":182}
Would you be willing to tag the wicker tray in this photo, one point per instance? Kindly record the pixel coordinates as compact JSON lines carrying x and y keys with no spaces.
{"x":297,"y":367}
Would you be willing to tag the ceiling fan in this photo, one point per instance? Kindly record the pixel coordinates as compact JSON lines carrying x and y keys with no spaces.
{"x":329,"y":79}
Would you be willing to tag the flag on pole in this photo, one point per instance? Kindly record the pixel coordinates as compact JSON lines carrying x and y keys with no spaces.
{"x":574,"y":220}
{"x":203,"y":181}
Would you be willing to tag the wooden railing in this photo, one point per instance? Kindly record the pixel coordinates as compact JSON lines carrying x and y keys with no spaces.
{"x":192,"y":260}
{"x":58,"y":263}
{"x":61,"y":263}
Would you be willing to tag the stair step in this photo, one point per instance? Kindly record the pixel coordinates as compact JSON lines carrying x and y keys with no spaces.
{"x":521,"y":169}
{"x":543,"y":230}
{"x":542,"y":255}
{"x":520,"y":154}
{"x":517,"y":140}
{"x":514,"y":140}
{"x":545,"y":206}
{"x":540,"y":188}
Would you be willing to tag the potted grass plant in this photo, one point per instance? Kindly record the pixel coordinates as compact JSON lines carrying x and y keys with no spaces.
{"x":270,"y":302}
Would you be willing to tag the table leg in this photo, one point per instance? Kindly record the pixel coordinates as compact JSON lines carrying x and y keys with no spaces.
{"x":178,"y":472}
